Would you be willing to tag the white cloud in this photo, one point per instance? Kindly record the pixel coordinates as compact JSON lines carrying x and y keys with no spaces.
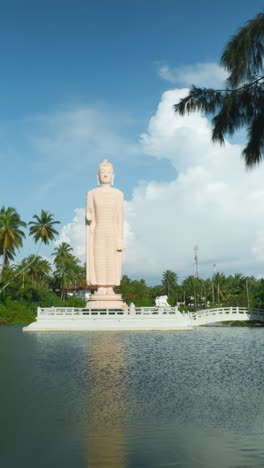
{"x":74,"y":234}
{"x":213,"y":201}
{"x":200,"y":74}
{"x":69,"y":141}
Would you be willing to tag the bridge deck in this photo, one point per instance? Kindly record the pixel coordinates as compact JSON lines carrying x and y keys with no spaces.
{"x":226,"y":314}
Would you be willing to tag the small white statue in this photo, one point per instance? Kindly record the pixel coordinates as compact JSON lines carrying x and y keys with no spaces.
{"x":162,"y":301}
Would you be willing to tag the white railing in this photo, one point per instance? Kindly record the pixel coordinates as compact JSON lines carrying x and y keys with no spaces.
{"x":224,"y":314}
{"x":200,"y":317}
{"x":75,"y":312}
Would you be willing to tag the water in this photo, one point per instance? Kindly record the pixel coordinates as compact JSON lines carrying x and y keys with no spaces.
{"x":157,"y":399}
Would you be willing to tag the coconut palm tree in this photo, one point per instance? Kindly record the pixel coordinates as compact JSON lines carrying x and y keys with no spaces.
{"x":62,"y":253}
{"x":237,"y":282}
{"x":169,"y":281}
{"x":42,"y":230}
{"x":67,"y":268}
{"x":38,"y":269}
{"x":11,"y":234}
{"x":222,"y":289}
{"x":192,"y":288}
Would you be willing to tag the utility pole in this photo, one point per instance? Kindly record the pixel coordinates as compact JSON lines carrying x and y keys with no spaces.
{"x":214,"y":273}
{"x":196,"y":261}
{"x":248,"y":301}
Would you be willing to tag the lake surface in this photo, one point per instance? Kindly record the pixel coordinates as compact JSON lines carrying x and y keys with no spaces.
{"x":127,"y":399}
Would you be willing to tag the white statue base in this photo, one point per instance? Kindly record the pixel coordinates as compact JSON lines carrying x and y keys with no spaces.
{"x":106,"y":301}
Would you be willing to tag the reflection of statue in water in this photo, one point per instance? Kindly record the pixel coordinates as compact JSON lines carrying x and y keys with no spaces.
{"x":108,"y":399}
{"x":104,"y":219}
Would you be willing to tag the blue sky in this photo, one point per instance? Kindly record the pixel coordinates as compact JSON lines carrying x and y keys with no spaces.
{"x":55,"y":53}
{"x":81,"y":81}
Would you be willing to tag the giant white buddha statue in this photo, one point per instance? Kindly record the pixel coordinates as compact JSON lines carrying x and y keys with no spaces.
{"x":104,"y":221}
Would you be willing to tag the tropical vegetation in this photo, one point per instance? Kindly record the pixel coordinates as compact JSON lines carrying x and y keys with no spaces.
{"x":37,"y":281}
{"x":42,"y":230}
{"x":196,"y":293}
{"x":241,"y":103}
{"x":33,"y":282}
{"x":11,"y":234}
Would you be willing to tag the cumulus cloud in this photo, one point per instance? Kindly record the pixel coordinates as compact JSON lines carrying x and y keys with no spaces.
{"x":73,"y":233}
{"x":212,"y":201}
{"x":200,"y":74}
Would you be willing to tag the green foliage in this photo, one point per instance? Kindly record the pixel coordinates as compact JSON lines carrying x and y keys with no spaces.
{"x":11,"y":234}
{"x":68,"y":271}
{"x":135,"y":291}
{"x":19,"y":302}
{"x":42,"y":229}
{"x":196,"y":293}
{"x":169,"y":282}
{"x":40,"y":297}
{"x":32,"y":283}
{"x":243,"y":54}
{"x":242,"y":102}
{"x":16,"y":313}
{"x":21,"y":306}
{"x":74,"y":302}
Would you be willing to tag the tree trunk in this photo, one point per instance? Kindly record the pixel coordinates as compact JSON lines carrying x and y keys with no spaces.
{"x":3,"y":263}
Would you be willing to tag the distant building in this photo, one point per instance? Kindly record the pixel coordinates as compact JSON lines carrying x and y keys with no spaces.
{"x":82,"y":292}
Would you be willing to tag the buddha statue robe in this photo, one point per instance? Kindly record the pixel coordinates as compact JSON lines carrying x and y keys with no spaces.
{"x":104,"y":215}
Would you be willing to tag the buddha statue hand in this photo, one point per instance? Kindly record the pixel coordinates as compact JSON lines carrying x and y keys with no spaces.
{"x":88,"y":217}
{"x":120,"y":245}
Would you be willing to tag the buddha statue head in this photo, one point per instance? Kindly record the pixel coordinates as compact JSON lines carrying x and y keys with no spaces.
{"x":105,"y":175}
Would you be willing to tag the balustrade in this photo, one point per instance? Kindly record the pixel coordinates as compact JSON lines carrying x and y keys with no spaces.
{"x":198,"y":317}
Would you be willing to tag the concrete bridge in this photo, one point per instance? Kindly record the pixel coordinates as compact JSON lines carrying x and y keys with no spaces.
{"x":226,"y":314}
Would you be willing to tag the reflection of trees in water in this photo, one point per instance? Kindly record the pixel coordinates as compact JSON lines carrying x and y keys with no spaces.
{"x":107,"y":403}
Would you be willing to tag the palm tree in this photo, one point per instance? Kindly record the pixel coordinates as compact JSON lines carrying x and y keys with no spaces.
{"x":62,"y":253}
{"x":11,"y":234}
{"x":220,"y":282}
{"x":42,"y":230}
{"x":192,"y":288}
{"x":67,"y":268}
{"x":169,"y":281}
{"x":237,"y":282}
{"x":37,"y":268}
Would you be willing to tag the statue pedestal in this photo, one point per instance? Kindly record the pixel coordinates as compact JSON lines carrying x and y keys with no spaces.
{"x":106,"y":301}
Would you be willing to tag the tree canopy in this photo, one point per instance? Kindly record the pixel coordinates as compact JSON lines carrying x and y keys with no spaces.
{"x":241,"y":103}
{"x":11,"y":234}
{"x":42,"y":229}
